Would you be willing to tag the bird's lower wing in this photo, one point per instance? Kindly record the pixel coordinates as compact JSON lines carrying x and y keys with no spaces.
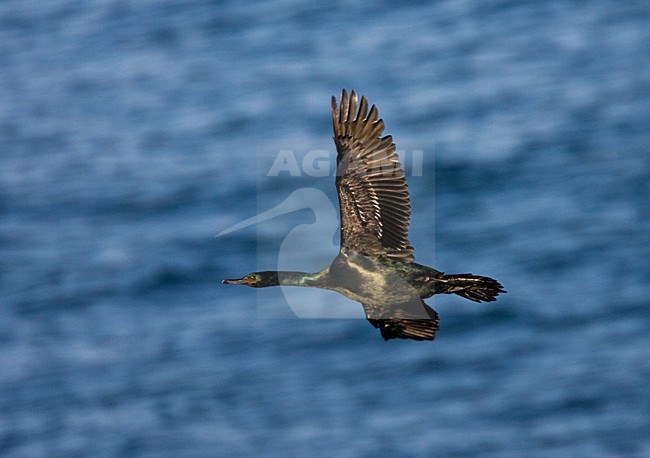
{"x":409,"y":320}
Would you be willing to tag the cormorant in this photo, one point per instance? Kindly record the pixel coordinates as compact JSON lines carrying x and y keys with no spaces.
{"x":375,"y":262}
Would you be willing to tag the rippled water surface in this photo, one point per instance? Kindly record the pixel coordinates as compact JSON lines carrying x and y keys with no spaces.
{"x":132,"y":133}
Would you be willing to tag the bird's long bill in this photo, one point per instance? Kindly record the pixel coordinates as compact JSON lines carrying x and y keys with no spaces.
{"x":236,"y":281}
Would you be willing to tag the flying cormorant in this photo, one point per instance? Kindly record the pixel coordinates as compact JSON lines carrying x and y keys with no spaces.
{"x":375,"y":262}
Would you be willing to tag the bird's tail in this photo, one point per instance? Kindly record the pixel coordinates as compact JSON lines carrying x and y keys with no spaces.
{"x":472,"y":287}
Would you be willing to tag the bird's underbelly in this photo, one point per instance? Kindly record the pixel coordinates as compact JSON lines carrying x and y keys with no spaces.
{"x":364,"y":280}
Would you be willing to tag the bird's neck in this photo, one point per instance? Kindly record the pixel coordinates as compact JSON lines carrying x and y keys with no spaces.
{"x":289,"y":278}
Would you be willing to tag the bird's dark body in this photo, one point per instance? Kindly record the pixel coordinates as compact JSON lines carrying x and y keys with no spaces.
{"x":380,"y":280}
{"x":375,"y":264}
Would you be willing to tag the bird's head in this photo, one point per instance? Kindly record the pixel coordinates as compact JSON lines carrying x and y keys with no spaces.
{"x":256,"y":280}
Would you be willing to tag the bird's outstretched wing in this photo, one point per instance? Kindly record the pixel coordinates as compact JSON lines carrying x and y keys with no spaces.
{"x":410,"y":320}
{"x":373,"y":198}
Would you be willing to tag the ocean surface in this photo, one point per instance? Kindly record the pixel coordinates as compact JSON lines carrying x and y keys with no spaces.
{"x":132,"y":133}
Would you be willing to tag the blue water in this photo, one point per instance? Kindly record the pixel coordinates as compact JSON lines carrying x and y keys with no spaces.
{"x":131,"y":133}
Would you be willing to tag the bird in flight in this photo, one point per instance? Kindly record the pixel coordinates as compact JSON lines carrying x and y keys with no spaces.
{"x":375,"y":265}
